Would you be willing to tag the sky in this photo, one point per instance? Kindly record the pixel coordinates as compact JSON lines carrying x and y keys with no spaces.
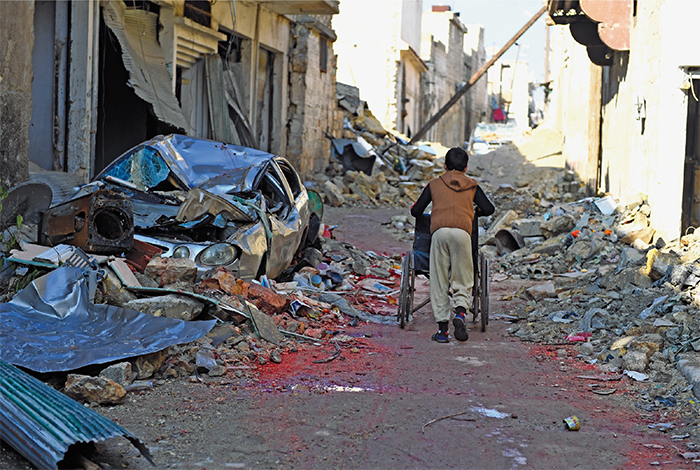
{"x":501,"y":20}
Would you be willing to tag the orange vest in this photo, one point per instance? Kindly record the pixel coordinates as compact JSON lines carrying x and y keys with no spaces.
{"x":453,"y":206}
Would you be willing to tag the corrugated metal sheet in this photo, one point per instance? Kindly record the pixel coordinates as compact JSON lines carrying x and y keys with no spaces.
{"x":143,"y":58}
{"x":41,"y":423}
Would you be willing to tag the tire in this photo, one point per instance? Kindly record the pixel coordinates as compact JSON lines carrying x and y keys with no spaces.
{"x":484,"y":290}
{"x":407,"y":287}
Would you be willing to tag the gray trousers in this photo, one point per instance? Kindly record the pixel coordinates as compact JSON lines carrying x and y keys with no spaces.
{"x":451,"y":266}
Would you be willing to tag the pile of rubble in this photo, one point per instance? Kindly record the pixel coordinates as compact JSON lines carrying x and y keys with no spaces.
{"x":631,"y":306}
{"x":330,"y":287}
{"x":370,"y":166}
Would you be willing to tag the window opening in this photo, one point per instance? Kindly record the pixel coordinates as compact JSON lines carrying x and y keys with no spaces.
{"x":264,"y":98}
{"x":323,"y":54}
{"x":198,"y":11}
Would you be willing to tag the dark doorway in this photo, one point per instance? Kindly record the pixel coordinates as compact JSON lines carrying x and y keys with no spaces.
{"x":123,"y":119}
{"x":691,"y":174}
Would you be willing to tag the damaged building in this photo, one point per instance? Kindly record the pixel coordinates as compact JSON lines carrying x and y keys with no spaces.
{"x":625,"y":94}
{"x":89,"y":80}
{"x":411,"y":65}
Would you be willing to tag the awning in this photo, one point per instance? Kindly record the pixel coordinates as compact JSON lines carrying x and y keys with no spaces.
{"x":143,"y":57}
{"x":602,"y":26}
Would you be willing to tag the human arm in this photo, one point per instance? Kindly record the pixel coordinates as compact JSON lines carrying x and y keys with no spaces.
{"x":422,"y":202}
{"x":482,"y":205}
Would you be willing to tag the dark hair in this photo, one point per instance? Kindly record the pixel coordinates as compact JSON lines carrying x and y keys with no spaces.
{"x":456,"y":159}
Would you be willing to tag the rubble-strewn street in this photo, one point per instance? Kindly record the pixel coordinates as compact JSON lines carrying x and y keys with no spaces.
{"x":222,"y":222}
{"x":587,"y":320}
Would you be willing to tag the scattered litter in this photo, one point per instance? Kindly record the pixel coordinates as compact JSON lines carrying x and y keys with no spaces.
{"x":572,"y":423}
{"x":638,"y":376}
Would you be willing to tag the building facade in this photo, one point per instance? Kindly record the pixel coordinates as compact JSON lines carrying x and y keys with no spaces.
{"x":625,"y":94}
{"x":380,"y":54}
{"x":101,"y":77}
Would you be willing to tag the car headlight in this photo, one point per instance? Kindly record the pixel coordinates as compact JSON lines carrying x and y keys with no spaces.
{"x":218,"y":255}
{"x":181,"y":252}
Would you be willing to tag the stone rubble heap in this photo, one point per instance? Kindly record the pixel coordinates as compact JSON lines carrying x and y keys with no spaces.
{"x":331,"y":287}
{"x":399,"y":172}
{"x":629,"y":301}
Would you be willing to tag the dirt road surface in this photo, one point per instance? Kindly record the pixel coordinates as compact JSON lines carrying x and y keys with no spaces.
{"x":374,"y":408}
{"x":396,"y":400}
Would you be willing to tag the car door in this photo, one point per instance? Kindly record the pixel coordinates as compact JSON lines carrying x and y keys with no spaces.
{"x":285,"y":221}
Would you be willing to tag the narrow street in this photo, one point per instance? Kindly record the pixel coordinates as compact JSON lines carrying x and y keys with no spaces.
{"x":208,"y":211}
{"x":371,"y":408}
{"x":379,"y":404}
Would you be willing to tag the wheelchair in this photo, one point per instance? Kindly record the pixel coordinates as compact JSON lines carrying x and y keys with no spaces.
{"x":417,"y":262}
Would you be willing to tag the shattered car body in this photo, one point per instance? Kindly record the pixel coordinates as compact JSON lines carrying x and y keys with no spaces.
{"x":217,"y":204}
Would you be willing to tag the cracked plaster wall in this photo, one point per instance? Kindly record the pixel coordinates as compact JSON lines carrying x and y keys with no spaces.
{"x":17,"y":39}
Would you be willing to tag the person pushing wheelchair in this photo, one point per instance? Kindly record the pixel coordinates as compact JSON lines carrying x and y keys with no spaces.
{"x":456,"y":200}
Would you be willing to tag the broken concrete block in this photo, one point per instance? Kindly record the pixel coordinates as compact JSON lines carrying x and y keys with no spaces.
{"x":170,"y":306}
{"x":636,"y":360}
{"x":265,"y":326}
{"x":689,"y":365}
{"x":100,"y":390}
{"x":650,"y":343}
{"x":645,"y":234}
{"x":266,"y":299}
{"x":217,"y":371}
{"x":114,"y":291}
{"x":551,"y":247}
{"x":503,"y":221}
{"x":528,"y":227}
{"x":276,"y":357}
{"x":224,"y":280}
{"x":578,"y":251}
{"x":388,"y":194}
{"x":529,"y":241}
{"x":118,"y":373}
{"x":148,"y":364}
{"x":333,"y":194}
{"x":557,"y":225}
{"x":170,"y":270}
{"x":634,"y":276}
{"x":541,"y":291}
{"x":658,"y":263}
{"x":639,"y":222}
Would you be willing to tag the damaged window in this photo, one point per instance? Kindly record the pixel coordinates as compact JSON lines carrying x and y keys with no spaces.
{"x":144,"y":168}
{"x":275,"y":195}
{"x":291,"y":177}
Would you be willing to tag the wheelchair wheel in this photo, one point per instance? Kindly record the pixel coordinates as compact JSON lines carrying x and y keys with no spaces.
{"x":483,"y":290}
{"x":408,"y":279}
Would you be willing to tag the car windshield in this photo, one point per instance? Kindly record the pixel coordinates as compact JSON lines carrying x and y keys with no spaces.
{"x":144,"y":168}
{"x":203,"y":161}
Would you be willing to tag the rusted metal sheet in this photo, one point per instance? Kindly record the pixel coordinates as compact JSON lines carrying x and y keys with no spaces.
{"x":41,"y":423}
{"x":99,"y":222}
{"x":614,"y":17}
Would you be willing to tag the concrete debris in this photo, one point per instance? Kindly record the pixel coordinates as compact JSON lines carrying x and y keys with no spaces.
{"x":600,"y":268}
{"x":170,"y":306}
{"x":119,"y":373}
{"x":167,"y":271}
{"x":99,"y":390}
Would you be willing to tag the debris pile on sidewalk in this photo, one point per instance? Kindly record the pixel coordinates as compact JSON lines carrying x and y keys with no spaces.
{"x":630,"y":302}
{"x":213,"y":325}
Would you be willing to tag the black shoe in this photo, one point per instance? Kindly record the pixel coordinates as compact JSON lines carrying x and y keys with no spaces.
{"x":440,"y":337}
{"x":460,"y":328}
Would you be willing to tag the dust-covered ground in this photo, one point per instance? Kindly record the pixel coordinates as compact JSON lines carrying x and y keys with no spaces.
{"x":394,"y":399}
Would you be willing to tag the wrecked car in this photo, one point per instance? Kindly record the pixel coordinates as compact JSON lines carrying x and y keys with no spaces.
{"x":216,"y":204}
